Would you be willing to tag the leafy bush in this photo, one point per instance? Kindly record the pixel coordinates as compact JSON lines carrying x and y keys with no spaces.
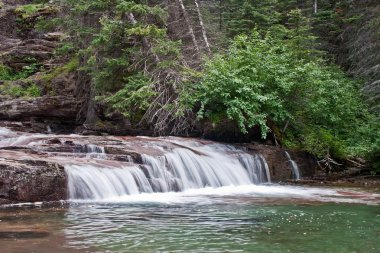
{"x":272,"y":79}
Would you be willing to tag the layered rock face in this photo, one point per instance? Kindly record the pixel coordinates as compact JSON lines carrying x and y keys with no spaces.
{"x":28,"y":55}
{"x":20,"y":43}
{"x":58,"y":107}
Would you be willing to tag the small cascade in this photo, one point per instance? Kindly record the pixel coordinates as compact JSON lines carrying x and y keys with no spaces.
{"x":257,"y":168}
{"x":48,"y":129}
{"x":96,"y":182}
{"x":94,"y":151}
{"x":180,"y":169}
{"x":294,"y":167}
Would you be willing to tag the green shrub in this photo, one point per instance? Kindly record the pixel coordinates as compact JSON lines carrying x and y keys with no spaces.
{"x":272,"y":79}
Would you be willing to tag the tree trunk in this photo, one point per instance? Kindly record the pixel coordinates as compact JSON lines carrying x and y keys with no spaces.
{"x":220,"y":15}
{"x":315,"y":6}
{"x":191,"y":31}
{"x":204,"y":34}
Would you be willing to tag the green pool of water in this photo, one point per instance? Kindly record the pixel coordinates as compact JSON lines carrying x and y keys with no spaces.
{"x":221,"y":224}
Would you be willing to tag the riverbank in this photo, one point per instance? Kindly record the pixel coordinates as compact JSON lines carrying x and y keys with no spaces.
{"x":366,"y":181}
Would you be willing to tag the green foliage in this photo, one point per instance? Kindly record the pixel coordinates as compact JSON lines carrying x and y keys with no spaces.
{"x":374,"y":156}
{"x":321,"y":141}
{"x":110,"y":53}
{"x":241,"y":16}
{"x":133,"y":99}
{"x":130,"y":38}
{"x":276,"y":74}
{"x":15,"y":91}
{"x":32,"y":91}
{"x":48,"y":24}
{"x":65,"y":48}
{"x":277,"y":79}
{"x":141,"y":9}
{"x":69,"y":67}
{"x":300,"y":35}
{"x":7,"y":74}
{"x":31,"y":16}
{"x":28,"y":10}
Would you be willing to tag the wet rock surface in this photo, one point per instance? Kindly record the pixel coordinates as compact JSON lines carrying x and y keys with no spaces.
{"x":31,"y":180}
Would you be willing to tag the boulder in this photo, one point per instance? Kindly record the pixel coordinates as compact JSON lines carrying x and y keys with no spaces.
{"x":31,"y":180}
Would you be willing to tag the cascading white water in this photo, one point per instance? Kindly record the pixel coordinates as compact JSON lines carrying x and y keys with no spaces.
{"x":95,"y":182}
{"x":257,"y":168}
{"x":179,"y":169}
{"x":293,"y":165}
{"x":94,"y":151}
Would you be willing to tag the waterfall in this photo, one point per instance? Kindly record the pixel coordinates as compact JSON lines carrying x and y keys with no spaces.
{"x":188,"y":166}
{"x":141,"y":164}
{"x":95,"y":182}
{"x":94,"y":151}
{"x":294,"y":167}
{"x":257,"y":168}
